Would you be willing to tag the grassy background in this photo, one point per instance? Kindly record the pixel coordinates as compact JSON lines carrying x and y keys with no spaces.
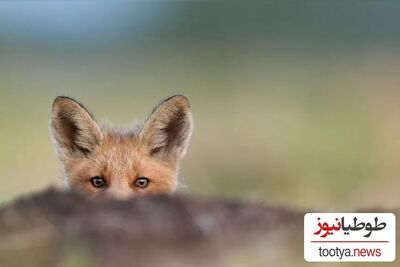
{"x":294,"y":103}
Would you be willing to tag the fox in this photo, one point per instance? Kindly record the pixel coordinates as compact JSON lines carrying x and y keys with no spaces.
{"x":99,"y":160}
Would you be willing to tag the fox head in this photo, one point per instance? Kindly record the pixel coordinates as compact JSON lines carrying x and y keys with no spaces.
{"x":121,"y":164}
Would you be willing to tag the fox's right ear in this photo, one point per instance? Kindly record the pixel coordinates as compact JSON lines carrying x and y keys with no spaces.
{"x":74,"y":130}
{"x":168,"y":129}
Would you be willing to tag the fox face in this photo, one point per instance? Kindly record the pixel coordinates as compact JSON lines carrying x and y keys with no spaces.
{"x":121,"y":163}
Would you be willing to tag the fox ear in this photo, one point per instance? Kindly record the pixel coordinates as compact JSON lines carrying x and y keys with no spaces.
{"x":74,"y":130}
{"x":168,"y":129}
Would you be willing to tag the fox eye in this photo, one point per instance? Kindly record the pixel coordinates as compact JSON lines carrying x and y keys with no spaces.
{"x":98,"y":182}
{"x":142,"y":182}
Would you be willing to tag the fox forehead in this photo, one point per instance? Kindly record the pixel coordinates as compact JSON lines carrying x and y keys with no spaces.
{"x":121,"y":156}
{"x":122,"y":150}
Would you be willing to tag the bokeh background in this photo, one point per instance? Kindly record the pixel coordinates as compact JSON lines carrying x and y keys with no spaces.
{"x":295,"y":102}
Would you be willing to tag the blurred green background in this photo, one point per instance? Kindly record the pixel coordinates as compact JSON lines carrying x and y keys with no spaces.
{"x":295,"y":102}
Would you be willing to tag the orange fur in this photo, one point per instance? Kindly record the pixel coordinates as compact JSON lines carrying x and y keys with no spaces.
{"x":121,"y":157}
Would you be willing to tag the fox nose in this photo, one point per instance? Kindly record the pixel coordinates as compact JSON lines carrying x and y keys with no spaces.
{"x":122,"y":193}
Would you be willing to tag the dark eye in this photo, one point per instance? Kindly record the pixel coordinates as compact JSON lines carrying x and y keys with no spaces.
{"x":98,"y":182}
{"x":142,"y":182}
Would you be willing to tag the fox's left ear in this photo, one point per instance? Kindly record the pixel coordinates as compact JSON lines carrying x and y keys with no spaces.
{"x":167,"y":131}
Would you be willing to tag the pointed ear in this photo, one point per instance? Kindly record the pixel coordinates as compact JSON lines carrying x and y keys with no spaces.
{"x":74,"y":130}
{"x":167,"y":131}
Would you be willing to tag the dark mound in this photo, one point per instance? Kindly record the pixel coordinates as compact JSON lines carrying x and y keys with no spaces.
{"x":57,"y":228}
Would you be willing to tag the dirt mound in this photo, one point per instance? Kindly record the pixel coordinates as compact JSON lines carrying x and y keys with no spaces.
{"x":55,"y":228}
